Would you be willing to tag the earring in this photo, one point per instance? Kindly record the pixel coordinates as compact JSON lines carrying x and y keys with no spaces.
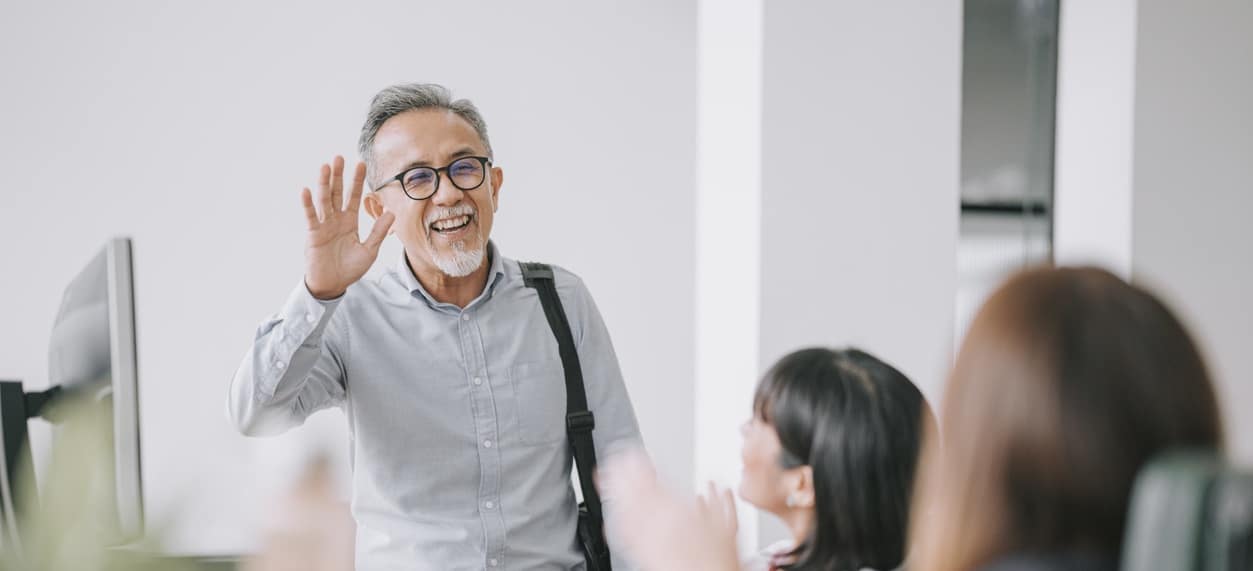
{"x":791,"y":500}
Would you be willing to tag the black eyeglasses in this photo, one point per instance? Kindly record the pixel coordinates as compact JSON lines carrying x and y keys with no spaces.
{"x":420,"y":183}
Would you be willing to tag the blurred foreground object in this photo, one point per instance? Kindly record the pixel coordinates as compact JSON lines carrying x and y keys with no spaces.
{"x":73,"y":524}
{"x":662,"y":532}
{"x":311,"y":530}
{"x":1190,"y":512}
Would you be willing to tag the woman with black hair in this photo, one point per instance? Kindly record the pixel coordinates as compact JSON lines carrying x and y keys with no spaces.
{"x":831,"y":450}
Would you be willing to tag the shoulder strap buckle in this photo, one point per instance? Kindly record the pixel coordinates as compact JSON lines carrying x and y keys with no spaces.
{"x":579,"y":422}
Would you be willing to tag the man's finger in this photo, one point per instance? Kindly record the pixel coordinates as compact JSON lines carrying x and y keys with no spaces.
{"x":324,"y":192}
{"x":358,"y":181}
{"x":381,"y":225}
{"x":311,"y":213}
{"x":337,"y":183}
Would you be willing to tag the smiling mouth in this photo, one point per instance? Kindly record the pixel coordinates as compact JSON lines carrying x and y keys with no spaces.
{"x":451,"y":225}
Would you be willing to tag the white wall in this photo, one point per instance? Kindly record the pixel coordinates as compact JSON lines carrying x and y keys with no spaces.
{"x":860,"y":166}
{"x":192,"y":127}
{"x":1192,"y":228}
{"x":827,"y":199}
{"x":1154,"y":163}
{"x":860,"y":180}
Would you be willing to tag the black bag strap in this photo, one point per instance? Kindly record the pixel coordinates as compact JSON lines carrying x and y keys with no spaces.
{"x":579,"y":420}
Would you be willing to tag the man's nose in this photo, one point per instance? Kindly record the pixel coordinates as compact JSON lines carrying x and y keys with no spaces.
{"x":447,"y":193}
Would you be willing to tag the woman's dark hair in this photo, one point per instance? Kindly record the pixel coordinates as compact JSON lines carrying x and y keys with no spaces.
{"x":1068,"y":382}
{"x":857,"y":423}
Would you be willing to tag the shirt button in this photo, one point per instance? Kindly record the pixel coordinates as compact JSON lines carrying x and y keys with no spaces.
{"x":487,"y":443}
{"x":478,"y":381}
{"x":310,"y":318}
{"x":493,"y":562}
{"x":489,"y":504}
{"x":465,"y":316}
{"x":279,"y":364}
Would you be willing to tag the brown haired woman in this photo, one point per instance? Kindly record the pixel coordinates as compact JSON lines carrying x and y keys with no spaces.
{"x":1068,"y":382}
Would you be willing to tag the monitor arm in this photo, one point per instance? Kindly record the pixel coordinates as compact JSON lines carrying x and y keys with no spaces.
{"x":17,"y":472}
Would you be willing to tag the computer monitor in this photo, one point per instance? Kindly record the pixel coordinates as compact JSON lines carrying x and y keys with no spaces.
{"x":92,"y":358}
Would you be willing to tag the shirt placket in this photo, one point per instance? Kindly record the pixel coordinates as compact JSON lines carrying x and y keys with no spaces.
{"x":486,"y":426}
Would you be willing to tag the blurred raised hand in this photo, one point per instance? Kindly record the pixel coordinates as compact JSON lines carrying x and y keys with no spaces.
{"x":310,"y":529}
{"x":661,"y":531}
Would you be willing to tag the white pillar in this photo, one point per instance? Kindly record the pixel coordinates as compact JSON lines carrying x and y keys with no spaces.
{"x":1095,"y":108}
{"x":728,"y":236}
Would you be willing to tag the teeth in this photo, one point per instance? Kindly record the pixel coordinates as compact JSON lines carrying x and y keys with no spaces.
{"x":451,"y":222}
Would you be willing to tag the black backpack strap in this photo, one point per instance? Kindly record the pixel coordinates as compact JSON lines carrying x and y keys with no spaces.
{"x":579,"y":420}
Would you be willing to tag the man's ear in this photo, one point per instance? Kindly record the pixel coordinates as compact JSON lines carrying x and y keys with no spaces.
{"x":498,"y":179}
{"x":373,"y":205}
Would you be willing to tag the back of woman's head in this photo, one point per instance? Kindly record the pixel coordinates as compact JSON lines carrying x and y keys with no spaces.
{"x":857,"y":423}
{"x":1067,"y":383}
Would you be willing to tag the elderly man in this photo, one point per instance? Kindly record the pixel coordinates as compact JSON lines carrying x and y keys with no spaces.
{"x":445,"y":364}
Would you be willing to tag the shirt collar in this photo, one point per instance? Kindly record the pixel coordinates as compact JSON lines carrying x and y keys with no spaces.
{"x":495,"y":273}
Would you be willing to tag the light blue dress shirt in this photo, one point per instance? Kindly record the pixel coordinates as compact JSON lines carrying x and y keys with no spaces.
{"x":457,"y":416}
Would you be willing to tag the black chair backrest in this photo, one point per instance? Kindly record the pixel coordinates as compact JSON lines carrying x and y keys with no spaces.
{"x":1190,"y":511}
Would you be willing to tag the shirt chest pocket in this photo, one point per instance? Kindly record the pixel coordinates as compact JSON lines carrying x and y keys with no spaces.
{"x":540,"y":390}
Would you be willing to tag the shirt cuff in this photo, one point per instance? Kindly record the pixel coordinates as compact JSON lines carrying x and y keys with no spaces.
{"x":304,"y":316}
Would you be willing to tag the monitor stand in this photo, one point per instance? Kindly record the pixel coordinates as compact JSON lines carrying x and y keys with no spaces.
{"x":17,"y":407}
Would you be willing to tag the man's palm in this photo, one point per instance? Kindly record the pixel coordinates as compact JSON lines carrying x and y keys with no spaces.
{"x":335,"y":256}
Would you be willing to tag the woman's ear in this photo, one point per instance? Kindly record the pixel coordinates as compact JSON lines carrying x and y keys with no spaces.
{"x":801,"y":496}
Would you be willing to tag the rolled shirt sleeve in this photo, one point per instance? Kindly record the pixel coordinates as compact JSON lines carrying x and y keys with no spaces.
{"x":293,"y":368}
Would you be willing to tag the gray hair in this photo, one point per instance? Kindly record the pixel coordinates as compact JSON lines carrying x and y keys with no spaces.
{"x":397,"y":99}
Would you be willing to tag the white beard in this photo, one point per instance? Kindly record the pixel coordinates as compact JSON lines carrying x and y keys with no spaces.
{"x":461,"y":262}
